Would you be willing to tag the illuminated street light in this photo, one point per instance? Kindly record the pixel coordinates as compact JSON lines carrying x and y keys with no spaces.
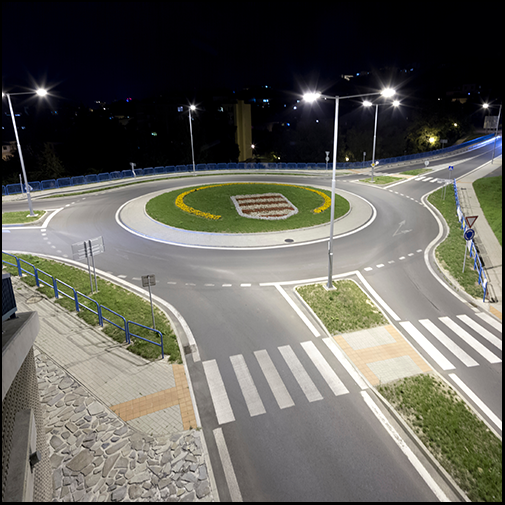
{"x":40,"y":92}
{"x":312,"y":97}
{"x":486,"y":106}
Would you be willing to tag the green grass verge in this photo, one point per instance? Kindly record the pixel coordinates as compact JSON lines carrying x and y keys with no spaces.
{"x":417,"y":171}
{"x":345,"y":309}
{"x":382,"y":179}
{"x":489,"y":193}
{"x":217,"y":201}
{"x":129,"y":305}
{"x":21,"y":217}
{"x":458,"y":439}
{"x":451,"y":251}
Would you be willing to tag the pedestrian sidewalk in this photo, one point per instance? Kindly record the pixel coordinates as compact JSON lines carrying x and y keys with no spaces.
{"x":489,"y":248}
{"x":117,"y":424}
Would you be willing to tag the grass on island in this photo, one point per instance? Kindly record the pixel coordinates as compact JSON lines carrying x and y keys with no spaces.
{"x":130,"y":306}
{"x":417,"y":171}
{"x":489,"y":193}
{"x":342,"y":310}
{"x":217,"y":201}
{"x":382,"y":179}
{"x":459,"y":440}
{"x":21,"y":217}
{"x":450,"y":253}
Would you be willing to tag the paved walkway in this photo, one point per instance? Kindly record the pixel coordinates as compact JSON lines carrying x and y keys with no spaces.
{"x":489,"y":247}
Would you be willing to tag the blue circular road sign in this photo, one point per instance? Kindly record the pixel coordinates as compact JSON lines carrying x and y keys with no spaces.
{"x":469,"y":234}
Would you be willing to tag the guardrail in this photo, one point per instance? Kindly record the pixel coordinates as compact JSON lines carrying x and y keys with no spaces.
{"x":99,"y":308}
{"x":470,"y":245}
{"x":65,"y":182}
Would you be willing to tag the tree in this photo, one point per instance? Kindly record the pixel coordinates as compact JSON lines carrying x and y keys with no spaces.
{"x":49,"y":164}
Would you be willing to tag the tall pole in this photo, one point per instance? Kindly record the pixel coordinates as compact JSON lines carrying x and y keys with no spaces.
{"x":20,"y":156}
{"x":374,"y":137}
{"x":330,"y":244}
{"x":496,"y":133}
{"x":191,"y":133}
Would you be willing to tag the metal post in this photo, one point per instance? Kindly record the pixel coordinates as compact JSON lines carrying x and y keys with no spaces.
{"x":374,"y":136}
{"x":93,"y":261}
{"x":192,"y":150}
{"x":89,"y":269}
{"x":150,"y":298}
{"x":330,"y":245}
{"x":21,"y":157}
{"x":496,"y":133}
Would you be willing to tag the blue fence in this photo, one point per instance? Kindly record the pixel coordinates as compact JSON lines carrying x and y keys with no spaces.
{"x":11,"y":189}
{"x":55,"y":285}
{"x":470,"y":245}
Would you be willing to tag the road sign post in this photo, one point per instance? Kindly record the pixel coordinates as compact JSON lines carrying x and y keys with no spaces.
{"x":89,"y":249}
{"x":445,"y":187}
{"x":469,"y":234}
{"x":150,"y":280}
{"x":327,"y":158}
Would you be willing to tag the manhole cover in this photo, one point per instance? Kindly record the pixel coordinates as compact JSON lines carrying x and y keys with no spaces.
{"x":34,"y":299}
{"x":289,"y":240}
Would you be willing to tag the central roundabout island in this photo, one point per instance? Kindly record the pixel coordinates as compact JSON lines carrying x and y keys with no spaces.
{"x":245,"y":207}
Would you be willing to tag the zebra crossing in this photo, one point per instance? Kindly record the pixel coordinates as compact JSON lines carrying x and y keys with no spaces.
{"x":432,"y":180}
{"x":457,"y":341}
{"x":450,"y":342}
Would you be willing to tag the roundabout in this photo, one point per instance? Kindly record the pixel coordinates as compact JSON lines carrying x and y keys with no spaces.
{"x":232,"y":218}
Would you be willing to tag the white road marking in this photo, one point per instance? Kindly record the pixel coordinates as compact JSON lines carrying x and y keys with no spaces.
{"x":208,"y":284}
{"x":302,"y":316}
{"x":419,"y":250}
{"x":482,"y":406}
{"x":332,"y":379}
{"x":229,"y":473}
{"x":226,"y":285}
{"x":392,"y":261}
{"x":224,"y":412}
{"x":471,"y":341}
{"x":445,"y":340}
{"x":300,"y":374}
{"x":274,"y":380}
{"x":367,"y":269}
{"x":426,"y":179}
{"x":245,"y":285}
{"x":490,"y":320}
{"x":246,"y":383}
{"x":171,"y":282}
{"x":481,"y":331}
{"x":380,"y":266}
{"x":136,"y":279}
{"x":410,"y":254}
{"x":434,"y":353}
{"x":402,"y":258}
{"x":404,"y":448}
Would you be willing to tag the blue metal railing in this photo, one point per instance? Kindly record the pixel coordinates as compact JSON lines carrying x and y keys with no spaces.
{"x":470,"y":245}
{"x":65,"y":182}
{"x":99,"y":308}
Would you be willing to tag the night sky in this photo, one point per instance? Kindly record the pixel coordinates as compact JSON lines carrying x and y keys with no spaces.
{"x":87,"y":51}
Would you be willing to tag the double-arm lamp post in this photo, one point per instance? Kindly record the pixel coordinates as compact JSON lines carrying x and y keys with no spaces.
{"x":312,"y":97}
{"x":486,"y":106}
{"x":40,"y":92}
{"x":192,"y":107}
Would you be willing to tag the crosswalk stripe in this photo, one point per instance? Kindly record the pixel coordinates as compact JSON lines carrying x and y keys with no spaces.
{"x":434,"y":180}
{"x":490,"y":320}
{"x":301,"y":376}
{"x":471,"y":341}
{"x":439,"y":358}
{"x":445,"y":340}
{"x":427,"y":178}
{"x":274,"y":380}
{"x":224,"y":412}
{"x":336,"y":385}
{"x":246,"y":383}
{"x":419,"y":179}
{"x":481,"y":331}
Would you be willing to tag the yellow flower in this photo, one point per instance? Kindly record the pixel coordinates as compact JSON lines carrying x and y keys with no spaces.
{"x":179,"y":201}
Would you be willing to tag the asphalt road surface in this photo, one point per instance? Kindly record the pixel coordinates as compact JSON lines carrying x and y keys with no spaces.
{"x":276,"y":426}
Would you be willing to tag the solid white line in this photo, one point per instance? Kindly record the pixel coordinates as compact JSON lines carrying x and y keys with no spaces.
{"x":377,"y":298}
{"x":332,"y":346}
{"x":445,"y":340}
{"x":301,"y":376}
{"x":490,"y":320}
{"x":435,"y":354}
{"x":404,"y":448}
{"x":274,"y":380}
{"x":295,"y":307}
{"x":336,"y":385}
{"x":222,"y":406}
{"x":307,"y":281}
{"x":481,"y":331}
{"x":246,"y":383}
{"x":471,"y":341}
{"x":482,"y":406}
{"x":229,"y":473}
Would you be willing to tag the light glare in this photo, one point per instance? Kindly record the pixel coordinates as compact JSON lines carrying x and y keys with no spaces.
{"x":41,"y":92}
{"x":388,"y":92}
{"x":311,"y":97}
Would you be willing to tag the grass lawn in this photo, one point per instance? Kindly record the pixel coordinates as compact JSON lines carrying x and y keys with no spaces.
{"x":382,"y":179}
{"x":345,"y":309}
{"x":130,"y":306}
{"x":417,"y":171}
{"x":489,"y":193}
{"x":450,"y":252}
{"x":217,"y":201}
{"x":21,"y":217}
{"x":458,"y":439}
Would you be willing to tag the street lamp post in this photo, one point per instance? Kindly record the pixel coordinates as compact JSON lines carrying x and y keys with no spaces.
{"x":312,"y":97}
{"x":40,"y":92}
{"x":486,"y":105}
{"x":192,"y":107}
